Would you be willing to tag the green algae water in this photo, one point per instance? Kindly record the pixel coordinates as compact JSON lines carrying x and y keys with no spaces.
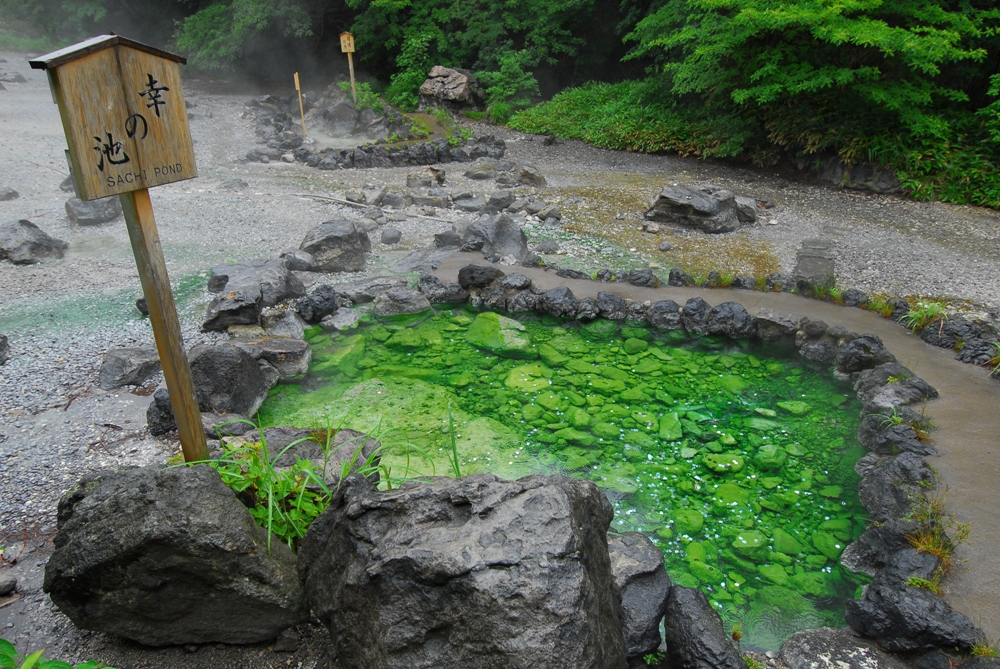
{"x":736,"y":461}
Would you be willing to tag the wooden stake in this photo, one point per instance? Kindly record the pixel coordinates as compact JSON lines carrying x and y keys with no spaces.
{"x":163,"y":316}
{"x":301,"y":108}
{"x":350,"y":64}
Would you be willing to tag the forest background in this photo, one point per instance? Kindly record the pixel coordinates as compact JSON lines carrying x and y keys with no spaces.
{"x":912,"y":85}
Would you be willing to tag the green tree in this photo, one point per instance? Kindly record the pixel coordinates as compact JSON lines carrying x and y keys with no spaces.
{"x":818,"y":74}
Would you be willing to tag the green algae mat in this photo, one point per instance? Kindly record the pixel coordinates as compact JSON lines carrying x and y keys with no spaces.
{"x":736,"y":461}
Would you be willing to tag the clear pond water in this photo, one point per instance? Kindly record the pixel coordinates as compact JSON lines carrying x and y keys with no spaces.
{"x":737,"y":462}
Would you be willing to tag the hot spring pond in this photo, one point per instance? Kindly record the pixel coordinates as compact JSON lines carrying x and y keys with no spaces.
{"x":736,"y":461}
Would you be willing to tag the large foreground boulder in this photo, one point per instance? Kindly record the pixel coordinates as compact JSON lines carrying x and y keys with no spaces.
{"x":709,"y":208}
{"x":337,"y":246}
{"x":93,"y":212}
{"x":170,"y":556}
{"x":469,"y":573}
{"x":497,"y":236}
{"x":24,"y":243}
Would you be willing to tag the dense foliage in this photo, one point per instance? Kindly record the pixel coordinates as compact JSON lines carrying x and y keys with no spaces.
{"x":905,"y":83}
{"x":913,"y":84}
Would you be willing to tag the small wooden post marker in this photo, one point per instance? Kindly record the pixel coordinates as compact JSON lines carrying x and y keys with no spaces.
{"x":302,"y":112}
{"x":123,"y":113}
{"x":347,"y":46}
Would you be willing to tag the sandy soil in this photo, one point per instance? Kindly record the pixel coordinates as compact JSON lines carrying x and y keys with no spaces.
{"x":62,"y":316}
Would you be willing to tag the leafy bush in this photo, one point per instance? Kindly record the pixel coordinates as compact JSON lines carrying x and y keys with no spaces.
{"x":510,"y":88}
{"x":9,"y":659}
{"x":367,"y":98}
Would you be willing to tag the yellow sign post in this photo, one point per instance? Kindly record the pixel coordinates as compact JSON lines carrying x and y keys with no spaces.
{"x":123,"y":113}
{"x":347,"y":46}
{"x":302,"y":112}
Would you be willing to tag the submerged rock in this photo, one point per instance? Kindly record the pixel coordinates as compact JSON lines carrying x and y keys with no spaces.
{"x":170,"y":556}
{"x":466,"y":573}
{"x":500,"y":335}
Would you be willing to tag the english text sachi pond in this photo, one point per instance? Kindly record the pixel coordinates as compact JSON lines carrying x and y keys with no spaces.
{"x":138,"y":178}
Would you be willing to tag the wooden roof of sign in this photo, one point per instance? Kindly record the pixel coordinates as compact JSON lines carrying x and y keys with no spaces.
{"x":57,"y":58}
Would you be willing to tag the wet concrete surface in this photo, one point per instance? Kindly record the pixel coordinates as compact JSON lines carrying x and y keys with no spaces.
{"x":966,"y":417}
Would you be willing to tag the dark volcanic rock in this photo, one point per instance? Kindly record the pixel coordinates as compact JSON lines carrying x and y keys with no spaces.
{"x":366,"y":290}
{"x":4,"y":349}
{"x":826,"y":647}
{"x":477,"y":276}
{"x":679,"y":279}
{"x":438,"y":293}
{"x":883,"y":433}
{"x":694,"y":316}
{"x":664,"y":315}
{"x":245,"y":288}
{"x":128,"y":367}
{"x":160,"y":415}
{"x":611,"y":306}
{"x":865,"y":352}
{"x":337,"y":246}
{"x":447,"y":238}
{"x":24,"y":243}
{"x":731,"y":320}
{"x":227,"y":379}
{"x":904,"y":618}
{"x":93,"y":212}
{"x":853,"y":297}
{"x":558,"y":302}
{"x":324,"y":301}
{"x":642,"y":277}
{"x":170,"y":556}
{"x":587,"y":309}
{"x":891,"y":484}
{"x":876,"y":546}
{"x":637,"y":567}
{"x":821,"y":350}
{"x":695,"y":638}
{"x":470,"y":573}
{"x":775,"y":327}
{"x":298,"y":260}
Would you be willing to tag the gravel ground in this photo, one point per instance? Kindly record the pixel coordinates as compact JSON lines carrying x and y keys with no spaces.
{"x":61,"y":317}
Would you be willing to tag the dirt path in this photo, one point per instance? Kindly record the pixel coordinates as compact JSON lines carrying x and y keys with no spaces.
{"x":62,"y":316}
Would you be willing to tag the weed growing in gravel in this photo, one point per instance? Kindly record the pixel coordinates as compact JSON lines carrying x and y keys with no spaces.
{"x":760,"y":283}
{"x":753,"y":663}
{"x":925,"y":314}
{"x":939,"y":533}
{"x":985,"y":648}
{"x":994,"y":362}
{"x":836,"y":296}
{"x":726,"y":279}
{"x":880,"y":304}
{"x":9,"y":659}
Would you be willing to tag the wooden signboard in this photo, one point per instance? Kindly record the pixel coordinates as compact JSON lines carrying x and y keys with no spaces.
{"x":123,"y":113}
{"x":347,"y":46}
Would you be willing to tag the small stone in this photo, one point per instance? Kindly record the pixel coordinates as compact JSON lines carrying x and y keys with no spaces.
{"x":8,"y":193}
{"x":391,"y":236}
{"x":8,"y":583}
{"x":773,"y":221}
{"x":665,"y":246}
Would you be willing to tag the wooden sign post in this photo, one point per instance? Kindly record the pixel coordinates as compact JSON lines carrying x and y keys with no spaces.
{"x":302,"y":112}
{"x":123,"y":113}
{"x":347,"y":46}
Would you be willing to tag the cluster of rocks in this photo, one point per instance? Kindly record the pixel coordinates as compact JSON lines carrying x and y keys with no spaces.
{"x":478,"y":586}
{"x":24,"y":243}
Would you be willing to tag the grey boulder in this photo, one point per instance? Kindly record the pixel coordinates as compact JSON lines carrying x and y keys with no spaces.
{"x":128,"y":367}
{"x":289,"y":356}
{"x":337,"y":246}
{"x":731,"y":319}
{"x":499,"y":235}
{"x":93,"y":212}
{"x":4,"y":349}
{"x":469,"y":573}
{"x":391,"y":236}
{"x":245,"y":288}
{"x":170,"y":556}
{"x":438,"y":293}
{"x":826,"y":648}
{"x":694,"y":316}
{"x":366,"y":290}
{"x":399,"y":301}
{"x":865,"y":352}
{"x":709,"y":208}
{"x":342,"y":319}
{"x":24,"y":243}
{"x":298,"y":260}
{"x":637,"y":567}
{"x":664,"y":315}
